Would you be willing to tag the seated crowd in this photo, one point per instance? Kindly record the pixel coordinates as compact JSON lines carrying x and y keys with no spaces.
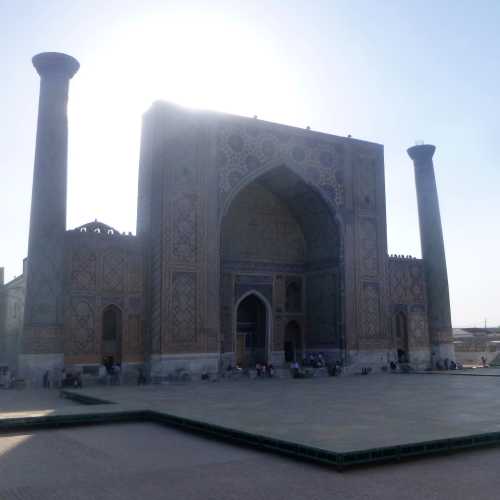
{"x":313,"y":362}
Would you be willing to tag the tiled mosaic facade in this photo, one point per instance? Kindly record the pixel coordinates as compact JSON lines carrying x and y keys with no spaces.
{"x":248,"y":206}
{"x":228,"y":207}
{"x":102,"y":268}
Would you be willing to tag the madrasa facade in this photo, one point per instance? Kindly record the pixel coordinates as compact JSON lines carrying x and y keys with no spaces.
{"x":256,"y":243}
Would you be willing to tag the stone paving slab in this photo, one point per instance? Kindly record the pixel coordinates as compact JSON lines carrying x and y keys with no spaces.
{"x":338,"y":415}
{"x":146,"y":461}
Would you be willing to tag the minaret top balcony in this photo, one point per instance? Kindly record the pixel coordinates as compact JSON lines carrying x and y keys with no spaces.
{"x":55,"y":63}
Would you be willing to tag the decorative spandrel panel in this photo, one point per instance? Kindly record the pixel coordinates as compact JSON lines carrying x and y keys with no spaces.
{"x":406,"y":280}
{"x":184,"y":307}
{"x":243,"y":150}
{"x":135,"y":276}
{"x":368,"y":247}
{"x":370,"y":312}
{"x":184,"y":208}
{"x":181,"y":202}
{"x":82,"y":338}
{"x":83,"y":269}
{"x":113,"y":270}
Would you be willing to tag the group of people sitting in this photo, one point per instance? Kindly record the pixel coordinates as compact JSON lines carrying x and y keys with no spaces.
{"x":68,"y":380}
{"x":58,"y":379}
{"x":264,"y":370}
{"x":261,"y":370}
{"x":314,"y":361}
{"x":446,"y":364}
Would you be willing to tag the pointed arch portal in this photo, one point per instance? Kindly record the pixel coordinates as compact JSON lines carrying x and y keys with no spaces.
{"x":279,"y":236}
{"x":252,"y":331}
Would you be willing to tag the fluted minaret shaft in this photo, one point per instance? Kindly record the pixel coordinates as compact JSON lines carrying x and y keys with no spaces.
{"x":44,"y":290}
{"x":433,"y":254}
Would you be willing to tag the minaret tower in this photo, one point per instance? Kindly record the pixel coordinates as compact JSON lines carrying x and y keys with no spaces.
{"x":42,"y":335}
{"x":431,"y":241}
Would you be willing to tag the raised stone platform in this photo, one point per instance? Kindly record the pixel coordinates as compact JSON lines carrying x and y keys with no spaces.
{"x":340,"y":421}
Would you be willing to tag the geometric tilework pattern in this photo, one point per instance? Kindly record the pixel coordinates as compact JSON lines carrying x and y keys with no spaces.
{"x":184,"y":227}
{"x":368,"y":247}
{"x":370,"y":316}
{"x":406,"y":281}
{"x":113,"y":273}
{"x":82,"y":338}
{"x":243,"y":150}
{"x":417,"y":328}
{"x":83,"y":269}
{"x":183,"y":307}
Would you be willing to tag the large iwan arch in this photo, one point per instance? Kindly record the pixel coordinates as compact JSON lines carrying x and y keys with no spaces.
{"x":278,"y":234}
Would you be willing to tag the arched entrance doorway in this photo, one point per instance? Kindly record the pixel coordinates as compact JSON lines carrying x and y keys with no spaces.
{"x":293,"y":342}
{"x":402,"y":337}
{"x":251,"y":331}
{"x":280,"y":238}
{"x":111,"y":335}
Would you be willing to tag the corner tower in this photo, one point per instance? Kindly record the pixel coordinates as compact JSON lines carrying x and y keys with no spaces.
{"x":433,"y":254}
{"x":42,"y":335}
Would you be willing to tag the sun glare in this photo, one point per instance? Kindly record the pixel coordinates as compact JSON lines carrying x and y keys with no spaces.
{"x":199,"y":61}
{"x":208,"y":62}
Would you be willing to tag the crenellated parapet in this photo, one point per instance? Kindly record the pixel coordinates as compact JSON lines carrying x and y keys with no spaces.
{"x":402,"y":257}
{"x":99,"y":228}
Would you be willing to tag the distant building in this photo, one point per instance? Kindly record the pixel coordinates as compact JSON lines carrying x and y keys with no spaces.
{"x":12,"y":296}
{"x":472,"y":344}
{"x":256,"y":242}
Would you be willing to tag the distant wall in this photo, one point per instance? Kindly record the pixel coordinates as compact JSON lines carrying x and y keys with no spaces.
{"x":12,"y":296}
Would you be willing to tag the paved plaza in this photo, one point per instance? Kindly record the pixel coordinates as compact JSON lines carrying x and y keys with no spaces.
{"x":341,"y":415}
{"x":338,"y":414}
{"x":353,"y":415}
{"x":132,"y":461}
{"x":18,"y":403}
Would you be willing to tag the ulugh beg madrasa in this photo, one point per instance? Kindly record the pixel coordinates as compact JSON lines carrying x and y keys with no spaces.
{"x":256,"y":243}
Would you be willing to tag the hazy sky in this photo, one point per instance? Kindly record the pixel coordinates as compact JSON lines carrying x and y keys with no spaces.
{"x":392,"y":72}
